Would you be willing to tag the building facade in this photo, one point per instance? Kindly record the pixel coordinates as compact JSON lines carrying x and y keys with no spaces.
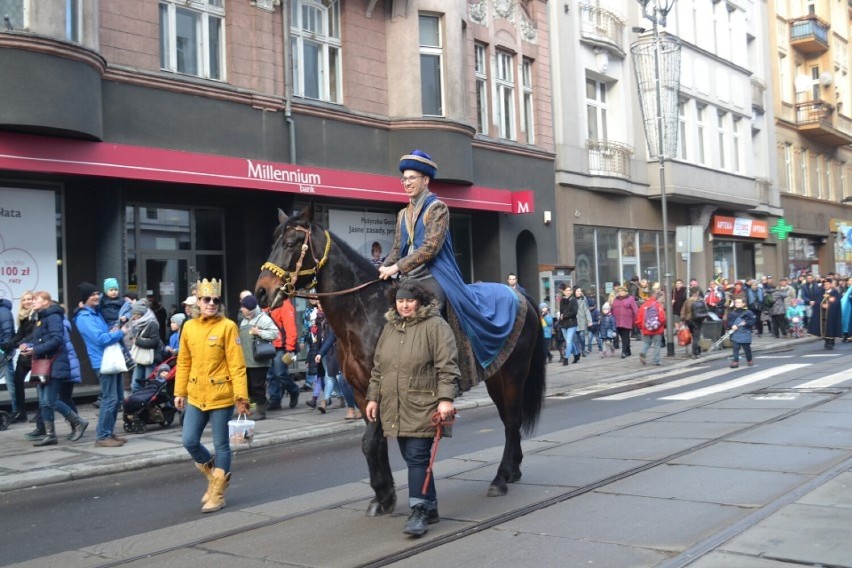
{"x":160,"y":137}
{"x":720,"y":179}
{"x":813,"y":120}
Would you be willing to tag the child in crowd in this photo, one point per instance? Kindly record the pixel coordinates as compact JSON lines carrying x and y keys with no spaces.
{"x":607,"y":332}
{"x":163,"y":372}
{"x":593,"y":333}
{"x":796,"y":316}
{"x":175,"y":323}
{"x":740,"y":321}
{"x":116,"y":312}
{"x":313,"y":371}
{"x":546,"y":329}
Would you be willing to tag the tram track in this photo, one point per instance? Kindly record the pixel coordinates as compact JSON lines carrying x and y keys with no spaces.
{"x":412,"y":548}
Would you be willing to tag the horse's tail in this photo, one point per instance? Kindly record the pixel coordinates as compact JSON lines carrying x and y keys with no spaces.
{"x":534,"y":384}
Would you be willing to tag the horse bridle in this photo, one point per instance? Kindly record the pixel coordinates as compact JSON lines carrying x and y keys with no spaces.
{"x":290,"y":278}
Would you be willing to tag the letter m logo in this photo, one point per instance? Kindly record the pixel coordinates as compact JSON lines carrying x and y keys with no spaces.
{"x":523,"y":202}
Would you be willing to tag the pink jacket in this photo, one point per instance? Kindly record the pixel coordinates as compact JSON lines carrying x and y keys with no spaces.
{"x":625,"y":311}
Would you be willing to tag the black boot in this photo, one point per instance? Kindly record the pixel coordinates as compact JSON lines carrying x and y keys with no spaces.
{"x":78,"y":426}
{"x":417,"y":521}
{"x":36,"y":434}
{"x":49,"y":438}
{"x":294,"y":399}
{"x":576,"y":358}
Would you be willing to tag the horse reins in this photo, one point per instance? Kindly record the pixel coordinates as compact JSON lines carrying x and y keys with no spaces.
{"x":290,"y":278}
{"x":439,"y":424}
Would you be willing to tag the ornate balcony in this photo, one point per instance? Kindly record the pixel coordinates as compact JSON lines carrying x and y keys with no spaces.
{"x":816,"y":120}
{"x":601,"y":27}
{"x":809,"y":34}
{"x":608,"y":158}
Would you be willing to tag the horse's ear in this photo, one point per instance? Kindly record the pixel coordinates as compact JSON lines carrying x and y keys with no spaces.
{"x":307,"y":214}
{"x":282,"y":217}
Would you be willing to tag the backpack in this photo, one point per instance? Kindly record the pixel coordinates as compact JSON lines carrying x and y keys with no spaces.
{"x":699,"y":309}
{"x":651,"y":319}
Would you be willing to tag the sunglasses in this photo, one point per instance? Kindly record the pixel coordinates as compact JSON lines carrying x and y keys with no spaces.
{"x":211,"y":300}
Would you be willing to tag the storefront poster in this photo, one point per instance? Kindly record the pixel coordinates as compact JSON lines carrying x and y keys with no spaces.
{"x":27,"y":243}
{"x":739,"y":227}
{"x":364,"y":230}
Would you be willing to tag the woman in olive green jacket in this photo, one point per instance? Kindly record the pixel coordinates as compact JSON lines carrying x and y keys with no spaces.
{"x":415,"y":374}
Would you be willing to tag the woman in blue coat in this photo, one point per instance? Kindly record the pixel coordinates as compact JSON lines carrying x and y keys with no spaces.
{"x":49,"y":342}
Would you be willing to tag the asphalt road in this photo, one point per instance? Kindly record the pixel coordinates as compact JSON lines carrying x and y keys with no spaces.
{"x":90,"y":511}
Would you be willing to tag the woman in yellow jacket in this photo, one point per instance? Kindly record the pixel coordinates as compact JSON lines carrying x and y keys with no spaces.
{"x":210,"y":381}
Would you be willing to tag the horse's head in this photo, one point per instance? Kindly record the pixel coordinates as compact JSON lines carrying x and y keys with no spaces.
{"x":292,"y":263}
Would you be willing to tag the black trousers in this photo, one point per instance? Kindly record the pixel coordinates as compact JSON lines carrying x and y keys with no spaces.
{"x":624,"y":334}
{"x":779,"y":325}
{"x":695,"y":329}
{"x":257,"y":384}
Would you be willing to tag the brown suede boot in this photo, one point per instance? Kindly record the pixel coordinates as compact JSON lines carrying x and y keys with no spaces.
{"x":218,"y":485}
{"x":206,"y":469}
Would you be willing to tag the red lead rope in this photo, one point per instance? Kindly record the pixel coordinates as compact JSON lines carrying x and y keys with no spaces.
{"x":439,"y":430}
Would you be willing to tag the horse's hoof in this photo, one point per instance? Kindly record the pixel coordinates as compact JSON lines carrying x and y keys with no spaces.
{"x":376,"y":508}
{"x":497,"y":491}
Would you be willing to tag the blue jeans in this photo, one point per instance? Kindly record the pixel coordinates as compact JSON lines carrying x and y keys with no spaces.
{"x":591,"y":337}
{"x":278,"y":379}
{"x":8,"y":372}
{"x":570,"y":347}
{"x":416,"y":453}
{"x":652,"y":341}
{"x":346,"y":390}
{"x":140,"y":372}
{"x":48,"y":400}
{"x":194,"y":422}
{"x":331,"y":386}
{"x":746,"y":347}
{"x":112,"y":392}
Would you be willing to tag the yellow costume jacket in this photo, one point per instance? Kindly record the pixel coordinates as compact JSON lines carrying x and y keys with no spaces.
{"x":211,"y":370}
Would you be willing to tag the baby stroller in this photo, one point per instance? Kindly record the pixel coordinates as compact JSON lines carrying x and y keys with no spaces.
{"x":151,"y":404}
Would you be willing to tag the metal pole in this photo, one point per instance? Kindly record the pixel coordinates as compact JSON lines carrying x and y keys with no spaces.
{"x":670,"y":348}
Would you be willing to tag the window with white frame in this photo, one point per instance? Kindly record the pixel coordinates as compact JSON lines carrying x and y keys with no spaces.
{"x":829,"y":187}
{"x":818,"y":175}
{"x":681,"y":126}
{"x":720,"y":135}
{"x":803,"y":171}
{"x":815,"y":83}
{"x":73,"y":21}
{"x":480,"y":69}
{"x":192,"y":37}
{"x":699,"y":132}
{"x":527,"y":89}
{"x":736,"y":148}
{"x":842,"y":172}
{"x":786,"y":85}
{"x":316,"y":49}
{"x":431,"y":65}
{"x":505,"y":100}
{"x":788,"y":169}
{"x":596,"y":110}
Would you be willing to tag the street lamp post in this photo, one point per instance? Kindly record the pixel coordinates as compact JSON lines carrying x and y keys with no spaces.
{"x":656,"y":62}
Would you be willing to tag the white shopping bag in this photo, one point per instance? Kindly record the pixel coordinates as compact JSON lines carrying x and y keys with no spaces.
{"x":240,"y":432}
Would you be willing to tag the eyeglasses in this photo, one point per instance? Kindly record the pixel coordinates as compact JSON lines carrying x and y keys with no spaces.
{"x":409,"y":179}
{"x":211,"y":300}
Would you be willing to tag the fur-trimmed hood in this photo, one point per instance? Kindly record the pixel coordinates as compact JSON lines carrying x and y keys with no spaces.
{"x":422,"y":313}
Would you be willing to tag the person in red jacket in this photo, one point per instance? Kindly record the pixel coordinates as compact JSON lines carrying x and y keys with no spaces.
{"x":278,"y":378}
{"x":651,"y":321}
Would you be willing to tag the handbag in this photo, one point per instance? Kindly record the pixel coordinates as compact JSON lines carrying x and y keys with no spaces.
{"x":113,"y":361}
{"x":262,"y":350}
{"x":240,"y":432}
{"x":40,"y":371}
{"x":142,"y":355}
{"x":684,"y":336}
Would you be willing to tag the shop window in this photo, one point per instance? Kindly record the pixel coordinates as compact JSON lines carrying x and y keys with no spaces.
{"x":209,"y":234}
{"x":584,"y":257}
{"x":649,"y":258}
{"x":608,"y":269}
{"x":802,"y":256}
{"x":735,"y":260}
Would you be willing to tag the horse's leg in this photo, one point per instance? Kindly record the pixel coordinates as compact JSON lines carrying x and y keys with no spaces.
{"x":508,"y":406}
{"x":375,"y":448}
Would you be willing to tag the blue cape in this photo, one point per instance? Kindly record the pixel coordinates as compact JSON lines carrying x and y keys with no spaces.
{"x":485,"y":310}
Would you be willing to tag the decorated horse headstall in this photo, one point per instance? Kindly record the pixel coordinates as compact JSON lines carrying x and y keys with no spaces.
{"x":290,"y":278}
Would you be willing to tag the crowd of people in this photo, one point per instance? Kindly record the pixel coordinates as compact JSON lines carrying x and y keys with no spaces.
{"x":636,"y":311}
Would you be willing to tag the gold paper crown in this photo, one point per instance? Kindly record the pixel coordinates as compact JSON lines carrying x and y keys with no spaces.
{"x":210,"y":287}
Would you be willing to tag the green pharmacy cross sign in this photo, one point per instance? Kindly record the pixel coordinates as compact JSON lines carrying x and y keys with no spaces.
{"x":781,"y":229}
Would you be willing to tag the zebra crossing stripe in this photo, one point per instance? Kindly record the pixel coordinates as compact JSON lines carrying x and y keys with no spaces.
{"x":776,"y":372}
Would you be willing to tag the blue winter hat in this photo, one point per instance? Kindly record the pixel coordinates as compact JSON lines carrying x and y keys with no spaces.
{"x":110,"y":283}
{"x":419,"y":161}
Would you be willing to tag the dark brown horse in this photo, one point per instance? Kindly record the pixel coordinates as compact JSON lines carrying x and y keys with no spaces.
{"x":305,"y":255}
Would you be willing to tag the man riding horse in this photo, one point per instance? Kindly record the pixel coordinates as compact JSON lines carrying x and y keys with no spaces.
{"x":423,"y":249}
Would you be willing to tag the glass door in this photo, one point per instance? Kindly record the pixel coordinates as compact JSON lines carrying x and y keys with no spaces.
{"x":166,"y":276}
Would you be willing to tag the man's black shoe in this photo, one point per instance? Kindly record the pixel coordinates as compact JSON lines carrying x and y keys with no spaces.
{"x":294,"y":399}
{"x":417,"y":521}
{"x":432,"y":516}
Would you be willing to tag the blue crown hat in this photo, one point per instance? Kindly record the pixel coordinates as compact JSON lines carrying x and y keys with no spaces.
{"x":419,"y":161}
